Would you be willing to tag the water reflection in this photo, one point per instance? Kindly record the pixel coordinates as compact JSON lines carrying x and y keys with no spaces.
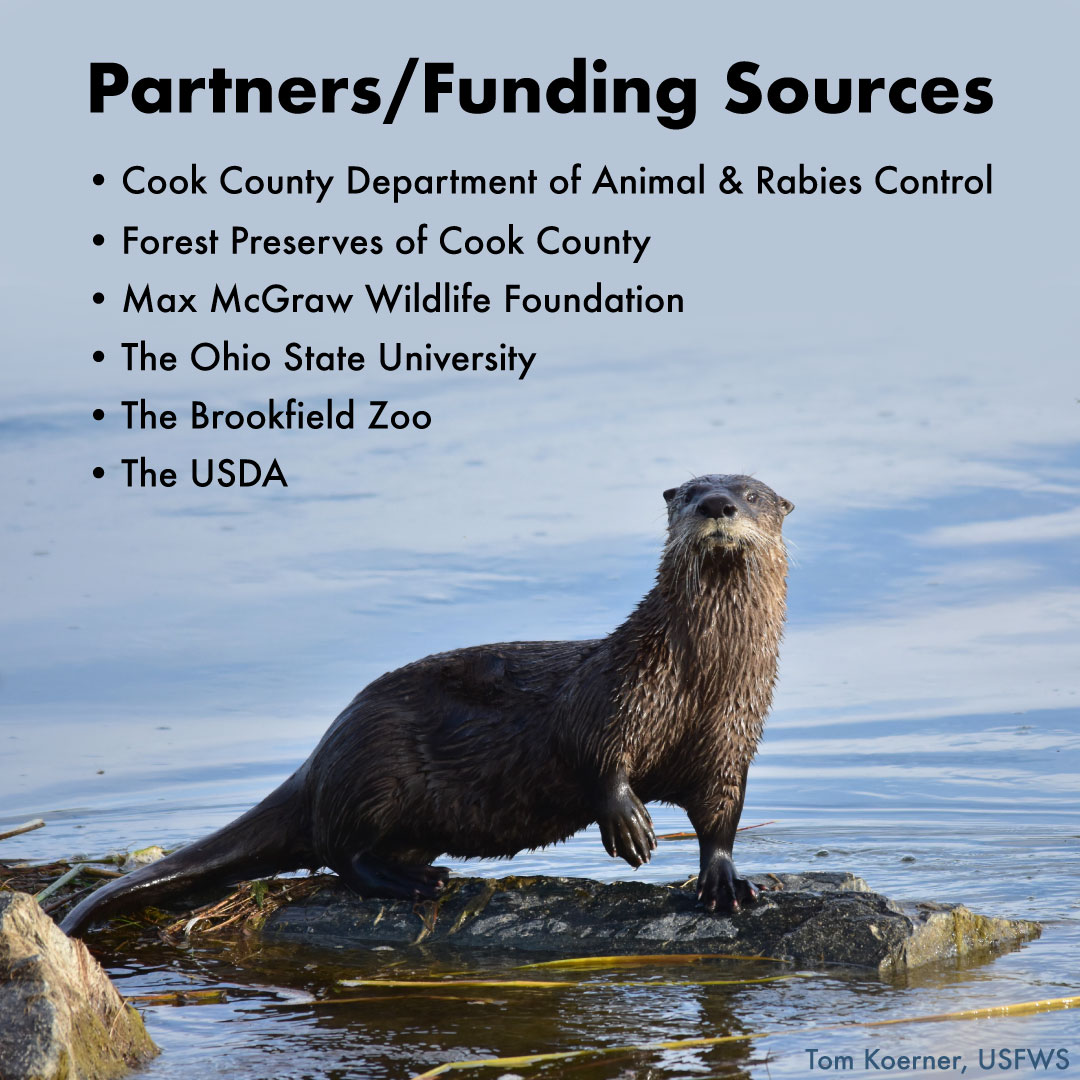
{"x":307,"y":1023}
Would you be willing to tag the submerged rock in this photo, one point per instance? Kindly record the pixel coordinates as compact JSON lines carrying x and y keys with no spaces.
{"x":813,"y":918}
{"x":60,"y":1016}
{"x":142,"y":857}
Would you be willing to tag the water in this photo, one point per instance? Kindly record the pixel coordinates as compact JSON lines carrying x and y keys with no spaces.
{"x":925,"y":736}
{"x":904,"y":370}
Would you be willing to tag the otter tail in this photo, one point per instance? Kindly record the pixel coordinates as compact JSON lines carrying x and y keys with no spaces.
{"x":269,"y":838}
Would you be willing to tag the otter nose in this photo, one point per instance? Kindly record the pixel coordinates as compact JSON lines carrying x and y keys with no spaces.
{"x":716,"y":506}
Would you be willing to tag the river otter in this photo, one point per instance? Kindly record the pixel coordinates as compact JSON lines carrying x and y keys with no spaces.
{"x":489,"y":750}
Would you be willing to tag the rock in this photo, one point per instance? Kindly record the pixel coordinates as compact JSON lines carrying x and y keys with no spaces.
{"x":60,"y":1016}
{"x":813,"y":918}
{"x":142,"y":857}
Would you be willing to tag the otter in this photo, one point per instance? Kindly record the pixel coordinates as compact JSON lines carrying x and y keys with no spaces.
{"x":490,"y":750}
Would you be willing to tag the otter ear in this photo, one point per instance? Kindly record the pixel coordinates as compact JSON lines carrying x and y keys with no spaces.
{"x":786,"y":506}
{"x":670,"y":494}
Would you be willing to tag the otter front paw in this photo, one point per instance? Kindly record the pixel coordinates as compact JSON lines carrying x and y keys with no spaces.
{"x":626,"y":828}
{"x":721,"y":890}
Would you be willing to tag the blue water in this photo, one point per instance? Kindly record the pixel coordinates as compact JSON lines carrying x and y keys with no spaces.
{"x":925,"y":735}
{"x":903,"y":369}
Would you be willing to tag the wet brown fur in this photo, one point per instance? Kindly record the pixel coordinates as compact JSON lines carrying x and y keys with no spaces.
{"x":490,"y":750}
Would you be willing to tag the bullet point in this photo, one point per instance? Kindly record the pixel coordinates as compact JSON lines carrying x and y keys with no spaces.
{"x":99,"y":179}
{"x":99,"y":472}
{"x":99,"y":239}
{"x":98,"y":356}
{"x":99,"y":298}
{"x":99,"y":414}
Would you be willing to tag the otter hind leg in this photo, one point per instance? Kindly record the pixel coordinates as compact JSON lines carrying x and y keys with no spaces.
{"x":371,"y":876}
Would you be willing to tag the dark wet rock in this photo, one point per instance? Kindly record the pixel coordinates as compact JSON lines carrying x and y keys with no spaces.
{"x":60,"y":1016}
{"x":813,"y":918}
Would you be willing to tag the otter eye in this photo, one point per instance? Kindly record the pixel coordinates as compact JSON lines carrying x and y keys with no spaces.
{"x":750,"y":496}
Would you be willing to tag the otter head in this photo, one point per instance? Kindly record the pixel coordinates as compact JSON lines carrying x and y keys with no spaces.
{"x":729,"y":513}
